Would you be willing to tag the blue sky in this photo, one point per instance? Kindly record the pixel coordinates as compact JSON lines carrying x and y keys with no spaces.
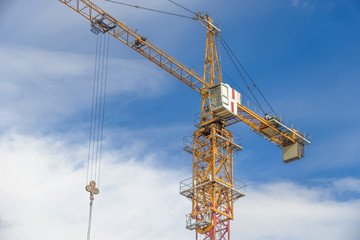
{"x":304,"y":55}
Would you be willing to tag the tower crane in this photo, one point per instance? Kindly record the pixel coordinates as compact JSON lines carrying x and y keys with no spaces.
{"x":212,"y":188}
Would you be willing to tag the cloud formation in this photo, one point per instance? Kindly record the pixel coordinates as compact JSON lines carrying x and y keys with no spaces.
{"x":42,"y":182}
{"x":285,"y":210}
{"x":47,"y":85}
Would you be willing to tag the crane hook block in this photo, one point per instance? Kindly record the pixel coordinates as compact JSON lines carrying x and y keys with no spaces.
{"x":91,"y":188}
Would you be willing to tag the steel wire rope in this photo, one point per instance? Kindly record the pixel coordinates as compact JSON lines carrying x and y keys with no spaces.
{"x":89,"y":221}
{"x":241,"y":75}
{"x":149,"y":9}
{"x":95,"y":125}
{"x":97,"y":119}
{"x":103,"y":105}
{"x":92,"y":113}
{"x":183,"y":7}
{"x":98,"y":108}
{"x":247,"y":74}
{"x":242,"y":91}
{"x":99,"y":101}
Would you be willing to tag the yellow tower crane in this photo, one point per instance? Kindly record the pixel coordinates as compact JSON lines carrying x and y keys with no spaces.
{"x":212,"y":188}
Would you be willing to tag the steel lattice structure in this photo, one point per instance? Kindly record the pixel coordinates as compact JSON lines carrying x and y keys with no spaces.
{"x":212,"y":188}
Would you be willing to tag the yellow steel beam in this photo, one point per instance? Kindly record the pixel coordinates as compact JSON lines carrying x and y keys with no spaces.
{"x":212,"y":152}
{"x":128,"y":36}
{"x":258,"y":124}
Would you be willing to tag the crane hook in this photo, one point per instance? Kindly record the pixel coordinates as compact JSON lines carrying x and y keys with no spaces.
{"x":91,"y":188}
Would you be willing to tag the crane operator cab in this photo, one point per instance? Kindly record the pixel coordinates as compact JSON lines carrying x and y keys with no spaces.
{"x":224,"y":100}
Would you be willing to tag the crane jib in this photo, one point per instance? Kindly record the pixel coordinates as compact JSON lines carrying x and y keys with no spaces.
{"x":103,"y":22}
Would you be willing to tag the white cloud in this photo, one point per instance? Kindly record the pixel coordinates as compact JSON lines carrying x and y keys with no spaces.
{"x":349,"y":184}
{"x":38,"y":86}
{"x":42,"y":182}
{"x":288,"y":211}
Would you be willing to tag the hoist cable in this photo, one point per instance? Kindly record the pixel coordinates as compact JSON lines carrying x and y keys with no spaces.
{"x":149,"y":9}
{"x":98,"y":108}
{"x":103,"y":106}
{"x":89,"y":221}
{"x":96,"y":114}
{"x":99,"y":103}
{"x":97,"y":120}
{"x":182,"y":7}
{"x":242,"y":91}
{"x":92,"y":112}
{"x":242,"y":77}
{"x":248,"y":75}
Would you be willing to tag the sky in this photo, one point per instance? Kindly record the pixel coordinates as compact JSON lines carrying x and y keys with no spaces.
{"x":304,"y":55}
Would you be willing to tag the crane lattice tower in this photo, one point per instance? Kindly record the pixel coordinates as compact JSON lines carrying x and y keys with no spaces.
{"x":212,"y":188}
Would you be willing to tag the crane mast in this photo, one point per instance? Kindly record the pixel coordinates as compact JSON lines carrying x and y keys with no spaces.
{"x":212,"y":189}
